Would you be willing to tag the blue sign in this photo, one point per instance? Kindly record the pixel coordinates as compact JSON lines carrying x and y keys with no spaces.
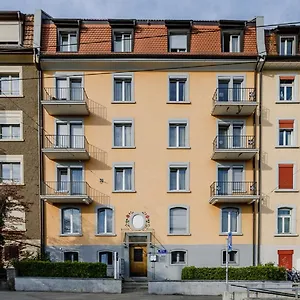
{"x":162,"y":251}
{"x":229,"y":241}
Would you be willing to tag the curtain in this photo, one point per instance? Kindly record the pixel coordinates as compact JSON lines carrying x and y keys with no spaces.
{"x":178,"y":220}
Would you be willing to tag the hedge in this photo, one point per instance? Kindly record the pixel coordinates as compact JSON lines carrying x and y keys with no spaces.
{"x":243,"y":273}
{"x":35,"y":268}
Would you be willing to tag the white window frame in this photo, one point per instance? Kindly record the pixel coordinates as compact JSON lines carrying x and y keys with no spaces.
{"x":179,"y":32}
{"x":293,"y":223}
{"x":179,"y":263}
{"x":124,"y":166}
{"x":68,"y":32}
{"x":12,"y":114}
{"x":123,"y":33}
{"x":14,"y":159}
{"x":278,"y":190}
{"x":181,"y":206}
{"x":179,"y":165}
{"x":105,"y":225}
{"x":236,"y":263}
{"x":123,"y":122}
{"x":123,"y":77}
{"x":239,"y":220}
{"x":178,"y":123}
{"x":12,"y":70}
{"x":72,"y":233}
{"x":178,"y":78}
{"x":285,"y":37}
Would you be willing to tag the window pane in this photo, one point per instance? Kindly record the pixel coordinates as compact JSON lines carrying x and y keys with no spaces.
{"x":172,"y":136}
{"x":182,"y":136}
{"x":128,"y":179}
{"x":172,"y":87}
{"x":109,"y":220}
{"x":101,"y":221}
{"x":118,"y":135}
{"x":127,"y":90}
{"x":128,"y":136}
{"x":181,"y":91}
{"x":119,"y":179}
{"x":173,"y":179}
{"x":182,"y":185}
{"x":118,"y":90}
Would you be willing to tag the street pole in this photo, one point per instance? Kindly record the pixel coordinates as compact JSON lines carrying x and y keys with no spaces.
{"x":227,"y":244}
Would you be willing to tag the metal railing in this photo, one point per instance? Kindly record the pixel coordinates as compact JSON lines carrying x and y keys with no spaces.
{"x":234,"y":95}
{"x":65,"y":188}
{"x":66,"y":142}
{"x":65,"y":94}
{"x":233,"y":188}
{"x":234,"y":142}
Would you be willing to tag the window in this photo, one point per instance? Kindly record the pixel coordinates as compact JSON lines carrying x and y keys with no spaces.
{"x":106,"y":257}
{"x":231,"y":42}
{"x":178,"y":177}
{"x":123,"y":178}
{"x":122,"y":42}
{"x":284,"y":220}
{"x":71,"y":221}
{"x":178,"y":257}
{"x":286,"y":132}
{"x":178,"y":221}
{"x":287,"y":45}
{"x":177,"y":89}
{"x":286,"y":88}
{"x":69,"y":88}
{"x":105,"y":221}
{"x":71,"y":256}
{"x":178,"y":134}
{"x":230,"y":220}
{"x":285,"y":176}
{"x":232,"y":257}
{"x":9,"y":84}
{"x":68,"y":41}
{"x":11,"y":125}
{"x":123,"y":134}
{"x":178,"y":42}
{"x":123,"y":89}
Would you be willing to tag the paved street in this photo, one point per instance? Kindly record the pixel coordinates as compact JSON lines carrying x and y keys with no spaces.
{"x":77,"y":296}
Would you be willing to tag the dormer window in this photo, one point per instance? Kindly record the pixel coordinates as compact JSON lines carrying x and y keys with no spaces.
{"x":68,"y":41}
{"x":122,"y":41}
{"x":231,"y":42}
{"x":178,"y":42}
{"x":287,"y":45}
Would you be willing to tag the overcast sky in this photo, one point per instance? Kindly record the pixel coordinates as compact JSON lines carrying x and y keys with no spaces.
{"x":275,"y":11}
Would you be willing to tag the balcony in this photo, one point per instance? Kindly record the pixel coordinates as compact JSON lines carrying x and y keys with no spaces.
{"x":234,"y":102}
{"x":65,"y":101}
{"x":234,"y":147}
{"x":66,"y":147}
{"x":66,"y":192}
{"x":233,"y":192}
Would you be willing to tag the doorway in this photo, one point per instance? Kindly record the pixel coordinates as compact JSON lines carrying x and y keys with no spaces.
{"x":138,"y":260}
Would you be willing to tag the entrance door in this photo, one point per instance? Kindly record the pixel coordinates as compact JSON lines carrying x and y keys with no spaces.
{"x":138,"y":260}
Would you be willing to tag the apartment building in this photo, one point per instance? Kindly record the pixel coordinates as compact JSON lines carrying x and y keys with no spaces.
{"x":280,"y":147}
{"x":19,"y":157}
{"x":149,"y":142}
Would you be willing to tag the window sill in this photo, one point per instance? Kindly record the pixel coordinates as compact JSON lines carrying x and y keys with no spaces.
{"x":286,"y":235}
{"x":124,"y":192}
{"x":119,"y":147}
{"x":286,"y":191}
{"x":11,"y":96}
{"x":234,"y":234}
{"x":287,"y":102}
{"x":180,"y":148}
{"x":172,"y":192}
{"x":286,"y":147}
{"x":123,"y":102}
{"x":178,"y":102}
{"x":105,"y":234}
{"x":178,"y":234}
{"x":71,"y":234}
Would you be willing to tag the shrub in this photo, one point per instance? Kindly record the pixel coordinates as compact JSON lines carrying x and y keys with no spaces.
{"x":266,"y":272}
{"x":36,"y":268}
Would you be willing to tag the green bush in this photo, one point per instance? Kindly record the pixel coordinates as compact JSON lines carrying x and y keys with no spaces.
{"x":266,"y":272}
{"x":36,"y":268}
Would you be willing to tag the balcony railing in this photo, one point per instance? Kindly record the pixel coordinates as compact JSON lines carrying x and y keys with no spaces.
{"x":65,"y":188}
{"x":233,"y":188}
{"x":233,"y":142}
{"x":65,"y":94}
{"x":234,"y":95}
{"x":66,"y":142}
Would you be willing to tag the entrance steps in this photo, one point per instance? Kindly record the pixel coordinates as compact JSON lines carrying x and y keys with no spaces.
{"x":135,"y":285}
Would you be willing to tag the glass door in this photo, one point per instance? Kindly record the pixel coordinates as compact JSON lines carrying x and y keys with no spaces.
{"x":76,"y":177}
{"x":223,"y":181}
{"x":76,"y":135}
